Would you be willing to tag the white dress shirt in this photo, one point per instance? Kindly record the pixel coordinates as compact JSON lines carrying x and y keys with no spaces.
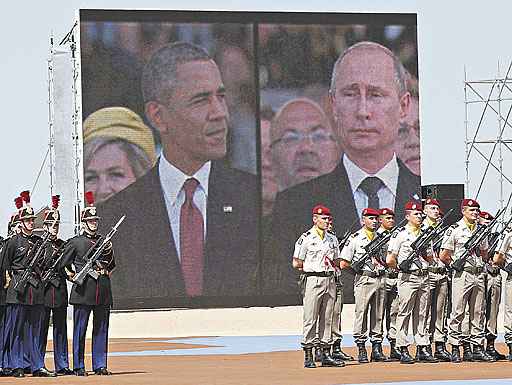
{"x":171,"y":180}
{"x":387,"y":174}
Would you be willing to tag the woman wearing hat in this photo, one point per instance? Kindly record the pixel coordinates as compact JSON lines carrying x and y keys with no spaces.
{"x":118,"y":149}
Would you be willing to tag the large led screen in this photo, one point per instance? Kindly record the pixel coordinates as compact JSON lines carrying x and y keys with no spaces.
{"x":215,"y":133}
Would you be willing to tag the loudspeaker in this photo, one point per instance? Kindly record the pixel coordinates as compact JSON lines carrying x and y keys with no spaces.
{"x":449,"y":197}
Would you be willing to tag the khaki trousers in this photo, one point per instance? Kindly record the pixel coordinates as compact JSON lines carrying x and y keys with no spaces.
{"x":437,"y":307}
{"x":492,"y":305}
{"x":468,"y":290}
{"x":337,"y":335}
{"x":318,"y":303}
{"x":508,"y":310}
{"x":413,"y":293}
{"x":369,"y":294}
{"x":391,"y":307}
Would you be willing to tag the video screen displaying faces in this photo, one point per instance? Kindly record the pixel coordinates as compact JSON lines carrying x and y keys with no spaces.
{"x":215,"y":133}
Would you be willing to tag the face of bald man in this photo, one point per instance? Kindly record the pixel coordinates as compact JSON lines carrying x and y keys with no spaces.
{"x":366,"y":103}
{"x":303,"y":144}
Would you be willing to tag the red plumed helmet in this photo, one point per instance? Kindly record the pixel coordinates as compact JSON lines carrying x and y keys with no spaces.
{"x":19,"y":202}
{"x":25,"y":195}
{"x":55,"y":201}
{"x":89,"y":198}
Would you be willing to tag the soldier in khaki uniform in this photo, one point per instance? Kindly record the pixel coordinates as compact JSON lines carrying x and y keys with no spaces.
{"x":503,"y":257}
{"x":413,"y":286}
{"x":492,"y":293}
{"x":468,"y":286}
{"x":369,"y":287}
{"x":387,"y":223}
{"x":316,"y":255}
{"x":438,"y":280}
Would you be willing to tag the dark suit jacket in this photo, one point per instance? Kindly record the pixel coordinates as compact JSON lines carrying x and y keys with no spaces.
{"x":148,"y":272}
{"x":292,"y":216}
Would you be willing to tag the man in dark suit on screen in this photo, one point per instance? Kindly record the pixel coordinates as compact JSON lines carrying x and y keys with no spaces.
{"x":369,"y":99}
{"x":191,"y":226}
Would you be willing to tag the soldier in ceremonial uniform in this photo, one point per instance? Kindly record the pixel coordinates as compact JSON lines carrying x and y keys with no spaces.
{"x":55,"y":292}
{"x":492,"y":291}
{"x":468,"y":286}
{"x":413,"y":286}
{"x":337,"y":334}
{"x":387,"y":223}
{"x":369,"y":287}
{"x":316,"y":254}
{"x":503,"y":258}
{"x":25,"y":309}
{"x":437,"y":306}
{"x":94,"y":295}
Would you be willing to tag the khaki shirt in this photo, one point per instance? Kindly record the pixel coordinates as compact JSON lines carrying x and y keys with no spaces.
{"x":505,"y":246}
{"x":354,"y":251}
{"x":400,"y":244}
{"x":436,"y":262}
{"x":317,"y":254}
{"x":455,"y":238}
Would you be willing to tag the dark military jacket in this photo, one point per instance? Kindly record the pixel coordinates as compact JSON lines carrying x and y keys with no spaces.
{"x":3,"y":292}
{"x":55,"y":290}
{"x":92,"y":292}
{"x":17,"y":253}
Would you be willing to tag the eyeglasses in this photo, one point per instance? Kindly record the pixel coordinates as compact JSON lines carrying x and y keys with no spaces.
{"x":293,"y":138}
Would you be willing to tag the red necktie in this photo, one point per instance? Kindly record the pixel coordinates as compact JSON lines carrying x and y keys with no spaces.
{"x":191,"y":241}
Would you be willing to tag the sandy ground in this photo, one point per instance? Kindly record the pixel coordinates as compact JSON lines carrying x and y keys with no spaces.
{"x":276,"y":368}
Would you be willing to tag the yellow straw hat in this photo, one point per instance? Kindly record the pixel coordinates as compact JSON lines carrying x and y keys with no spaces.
{"x":122,"y":123}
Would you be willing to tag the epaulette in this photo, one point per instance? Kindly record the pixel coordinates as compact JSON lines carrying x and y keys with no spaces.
{"x":454,"y":226}
{"x":401,"y":228}
{"x":355,"y":234}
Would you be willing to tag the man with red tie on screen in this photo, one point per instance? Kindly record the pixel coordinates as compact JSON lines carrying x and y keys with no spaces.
{"x":200,"y":229}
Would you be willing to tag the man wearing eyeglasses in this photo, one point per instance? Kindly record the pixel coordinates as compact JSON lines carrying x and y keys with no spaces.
{"x":303,"y":143}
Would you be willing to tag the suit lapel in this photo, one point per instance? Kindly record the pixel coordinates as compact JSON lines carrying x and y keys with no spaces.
{"x":408,"y":185}
{"x":344,"y":206}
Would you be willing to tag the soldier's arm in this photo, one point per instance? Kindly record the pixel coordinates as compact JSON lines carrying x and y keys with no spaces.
{"x":393,"y":249}
{"x":447,"y":246}
{"x":299,"y":254}
{"x":347,"y":253}
{"x":68,"y":257}
{"x":499,"y":257}
{"x":391,"y":259}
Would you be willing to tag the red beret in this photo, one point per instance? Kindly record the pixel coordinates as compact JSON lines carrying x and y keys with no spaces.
{"x":321,"y":210}
{"x":486,"y":215}
{"x":469,"y":203}
{"x":369,"y":212}
{"x":386,"y":212}
{"x":432,"y":201}
{"x":413,"y":206}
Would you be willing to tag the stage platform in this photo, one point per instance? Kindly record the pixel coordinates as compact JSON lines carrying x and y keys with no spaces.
{"x":255,"y":360}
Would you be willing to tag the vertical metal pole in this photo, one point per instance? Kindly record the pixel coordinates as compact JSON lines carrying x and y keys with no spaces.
{"x":499,"y":138}
{"x":75,"y":123}
{"x":466,"y":126}
{"x":51,"y":111}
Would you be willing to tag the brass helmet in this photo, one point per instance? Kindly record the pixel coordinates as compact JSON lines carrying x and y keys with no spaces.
{"x":52,"y":214}
{"x":89,"y":211}
{"x":26,"y":211}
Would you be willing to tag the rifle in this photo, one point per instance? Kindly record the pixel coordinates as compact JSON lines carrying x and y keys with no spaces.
{"x":27,"y":276}
{"x":50,"y":272}
{"x":372,"y":248}
{"x":426,"y":237}
{"x":474,"y":241}
{"x":94,"y":254}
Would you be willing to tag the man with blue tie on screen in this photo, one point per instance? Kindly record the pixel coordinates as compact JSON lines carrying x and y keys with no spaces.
{"x":191,"y":222}
{"x":369,"y":99}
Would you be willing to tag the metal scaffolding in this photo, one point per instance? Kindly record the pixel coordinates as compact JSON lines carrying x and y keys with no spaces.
{"x":488,"y":140}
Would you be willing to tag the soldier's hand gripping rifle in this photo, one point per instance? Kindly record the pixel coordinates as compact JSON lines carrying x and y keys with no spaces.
{"x":37,"y":250}
{"x":419,"y":246}
{"x":481,"y":233}
{"x":94,"y":254}
{"x":50,"y":273}
{"x":373,"y":248}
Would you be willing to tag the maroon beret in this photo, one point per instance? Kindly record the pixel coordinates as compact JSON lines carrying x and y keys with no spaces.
{"x":486,"y":215}
{"x":411,"y":205}
{"x":469,"y":203}
{"x":369,"y":212}
{"x":432,"y":201}
{"x":321,"y":210}
{"x":386,"y":212}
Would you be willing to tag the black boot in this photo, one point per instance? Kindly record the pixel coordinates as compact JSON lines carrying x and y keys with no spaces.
{"x":491,"y":350}
{"x":441,"y":353}
{"x":43,"y":372}
{"x":394,"y":355}
{"x":318,"y":354}
{"x":405,"y":357}
{"x":456,"y":354}
{"x":362,"y":355}
{"x":423,"y":355}
{"x":338,"y":354}
{"x":377,"y":353}
{"x":509,"y":357}
{"x":467,"y":354}
{"x":479,"y":355}
{"x":327,"y":360}
{"x":308,"y":358}
{"x":18,"y":373}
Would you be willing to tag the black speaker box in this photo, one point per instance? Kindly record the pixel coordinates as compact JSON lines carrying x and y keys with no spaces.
{"x":449,"y":197}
